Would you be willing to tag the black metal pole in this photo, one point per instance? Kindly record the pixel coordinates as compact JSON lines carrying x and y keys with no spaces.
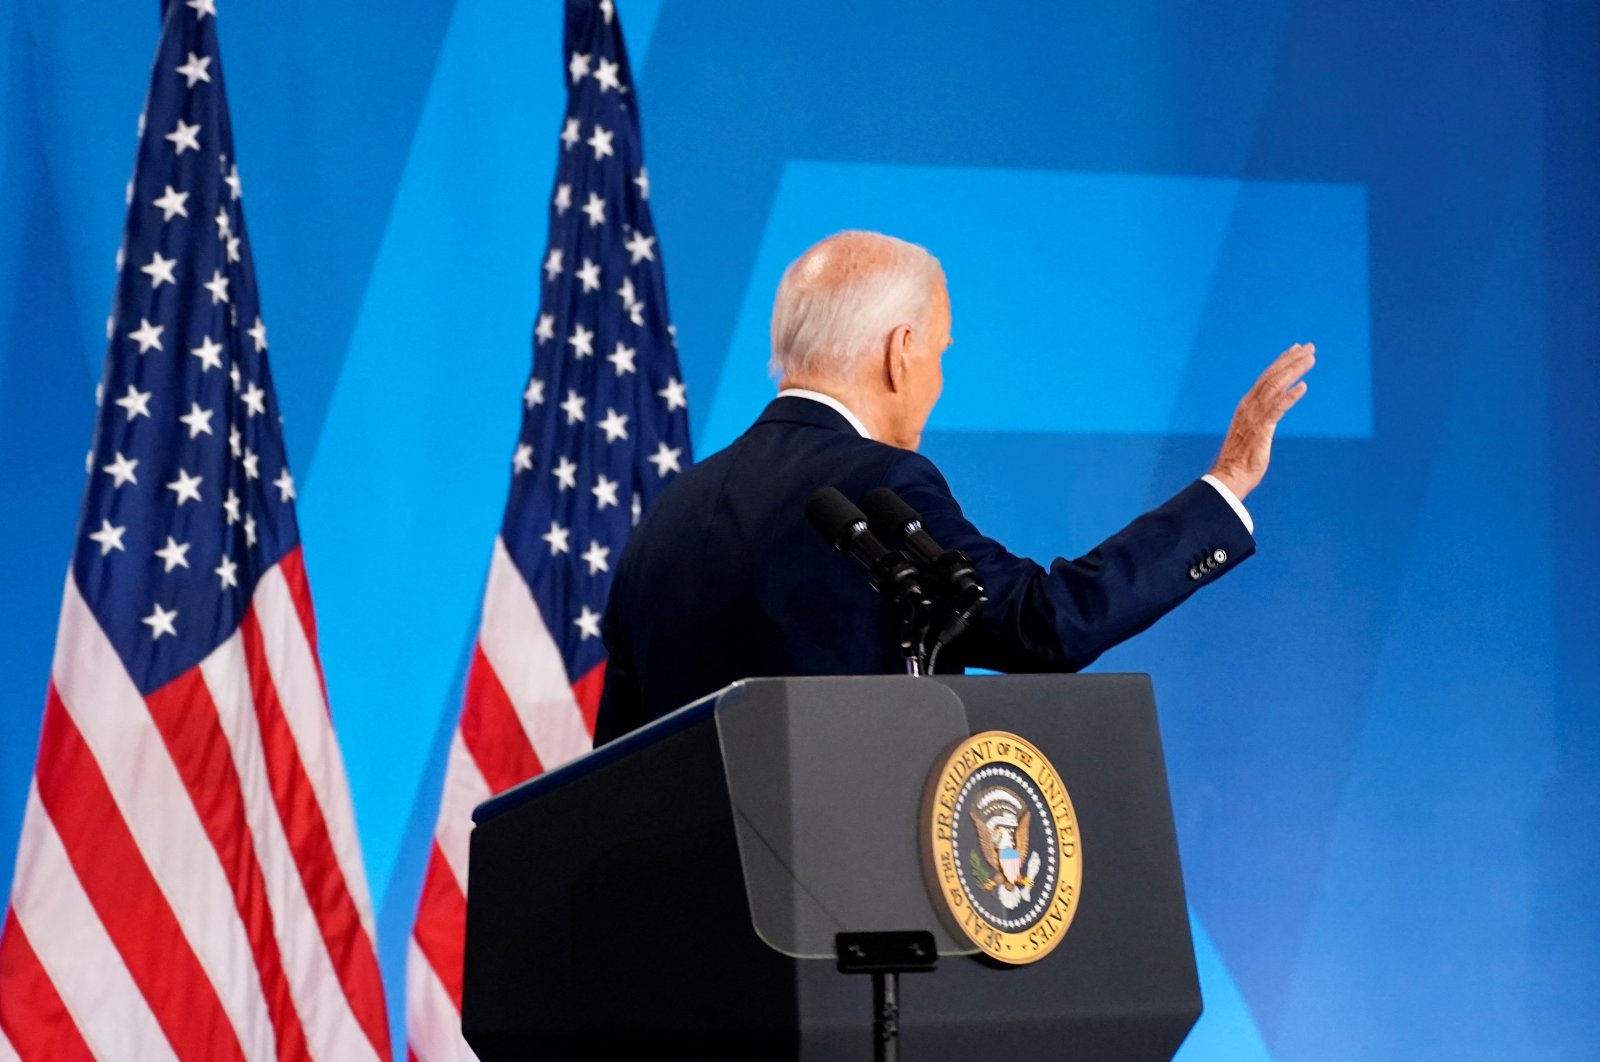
{"x":886,"y":1016}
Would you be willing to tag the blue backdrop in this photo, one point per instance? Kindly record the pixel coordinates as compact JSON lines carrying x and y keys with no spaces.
{"x":1381,"y":732}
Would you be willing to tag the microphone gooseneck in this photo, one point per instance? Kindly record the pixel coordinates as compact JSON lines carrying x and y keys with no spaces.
{"x":951,"y":571}
{"x":844,"y":527}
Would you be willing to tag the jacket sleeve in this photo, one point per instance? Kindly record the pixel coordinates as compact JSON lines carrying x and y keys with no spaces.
{"x":621,"y":706}
{"x":1063,"y":617}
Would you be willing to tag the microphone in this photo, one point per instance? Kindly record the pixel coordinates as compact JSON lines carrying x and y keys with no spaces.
{"x":845,"y":528}
{"x":901,"y":526}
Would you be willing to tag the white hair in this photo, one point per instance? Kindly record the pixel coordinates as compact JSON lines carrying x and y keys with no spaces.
{"x":838,"y":302}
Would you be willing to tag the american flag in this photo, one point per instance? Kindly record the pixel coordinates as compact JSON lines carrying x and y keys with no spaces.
{"x":189,"y":883}
{"x":605,"y":428}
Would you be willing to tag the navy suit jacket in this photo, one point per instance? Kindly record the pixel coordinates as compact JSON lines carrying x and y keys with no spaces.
{"x":725,"y":579}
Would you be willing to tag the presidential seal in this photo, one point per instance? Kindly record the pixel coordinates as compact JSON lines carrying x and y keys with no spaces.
{"x":1002,"y":852}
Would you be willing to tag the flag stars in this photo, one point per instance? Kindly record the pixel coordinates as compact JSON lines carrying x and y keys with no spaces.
{"x":643,"y":181}
{"x":235,"y":376}
{"x":596,"y":557}
{"x":578,"y":66}
{"x":172,"y":203}
{"x":186,"y":487}
{"x":605,"y":75}
{"x":570,"y":134}
{"x":285,"y":485}
{"x":533,"y":394}
{"x":255,"y":400}
{"x":675,"y":394}
{"x":249,"y":530}
{"x":227,"y":572}
{"x":235,"y":441}
{"x":230,"y":505}
{"x":196,"y":70}
{"x":609,"y":10}
{"x":121,"y":470}
{"x":581,"y":341}
{"x":197,"y":420}
{"x":631,"y":301}
{"x":615,"y":425}
{"x":252,"y":463}
{"x":552,"y":264}
{"x":557,"y":538}
{"x":666,"y":460}
{"x":566,"y":474}
{"x":588,"y":622}
{"x":522,"y":460}
{"x":210,"y":354}
{"x":159,"y":270}
{"x":109,"y":537}
{"x":596,"y":209}
{"x":218,"y":286}
{"x":545,"y":330}
{"x":622,"y":358}
{"x":136,"y":402}
{"x":224,"y":223}
{"x":590,"y":275}
{"x":185,"y":137}
{"x":640,"y":246}
{"x":202,"y":8}
{"x":573,"y":407}
{"x":563,"y":200}
{"x":235,"y":185}
{"x":258,"y":332}
{"x":601,"y":142}
{"x":604,"y":491}
{"x":160,"y":619}
{"x":174,"y":554}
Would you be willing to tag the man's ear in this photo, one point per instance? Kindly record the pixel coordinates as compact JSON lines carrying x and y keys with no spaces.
{"x":897,"y":358}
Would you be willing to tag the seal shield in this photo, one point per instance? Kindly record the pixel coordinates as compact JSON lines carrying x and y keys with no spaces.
{"x":1002,"y":853}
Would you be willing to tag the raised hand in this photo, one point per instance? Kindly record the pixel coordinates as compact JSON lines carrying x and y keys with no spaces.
{"x":1248,"y":447}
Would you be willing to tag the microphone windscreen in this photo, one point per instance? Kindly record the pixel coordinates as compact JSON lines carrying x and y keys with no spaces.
{"x":831,"y":513}
{"x":888,"y":514}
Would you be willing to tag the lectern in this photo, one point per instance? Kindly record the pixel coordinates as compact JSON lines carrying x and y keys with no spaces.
{"x":680,"y":890}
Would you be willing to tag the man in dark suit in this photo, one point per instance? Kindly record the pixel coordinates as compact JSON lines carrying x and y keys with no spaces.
{"x":725,"y":579}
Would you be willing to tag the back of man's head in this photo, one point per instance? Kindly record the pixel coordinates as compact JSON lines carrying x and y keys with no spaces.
{"x":838,"y":303}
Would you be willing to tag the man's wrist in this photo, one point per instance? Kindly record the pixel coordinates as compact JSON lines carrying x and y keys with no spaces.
{"x":1238,"y":485}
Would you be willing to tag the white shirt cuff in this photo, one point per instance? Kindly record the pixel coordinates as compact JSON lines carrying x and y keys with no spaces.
{"x":1233,"y":502}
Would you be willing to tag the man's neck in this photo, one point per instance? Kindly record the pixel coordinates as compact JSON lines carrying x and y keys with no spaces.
{"x":859,"y":414}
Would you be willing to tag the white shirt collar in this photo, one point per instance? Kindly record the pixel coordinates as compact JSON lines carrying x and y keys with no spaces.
{"x":832,"y":403}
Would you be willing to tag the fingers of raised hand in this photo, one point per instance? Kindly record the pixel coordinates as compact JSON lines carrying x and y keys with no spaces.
{"x":1289,"y":366}
{"x":1284,"y":371}
{"x":1284,"y":399}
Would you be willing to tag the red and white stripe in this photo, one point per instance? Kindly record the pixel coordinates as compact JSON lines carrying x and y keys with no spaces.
{"x":188,"y":881}
{"x":522,"y":715}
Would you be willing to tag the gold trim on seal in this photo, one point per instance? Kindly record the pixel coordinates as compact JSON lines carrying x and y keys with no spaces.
{"x":951,"y":880}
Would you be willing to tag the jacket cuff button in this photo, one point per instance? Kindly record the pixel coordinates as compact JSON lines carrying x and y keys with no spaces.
{"x":1194,"y":573}
{"x":1220,"y":556}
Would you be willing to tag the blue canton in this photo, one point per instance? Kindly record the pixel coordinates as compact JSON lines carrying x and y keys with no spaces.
{"x":605,"y":425}
{"x":190,"y":498}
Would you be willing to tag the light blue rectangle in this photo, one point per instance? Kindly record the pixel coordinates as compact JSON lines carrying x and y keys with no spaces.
{"x":1096,"y":302}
